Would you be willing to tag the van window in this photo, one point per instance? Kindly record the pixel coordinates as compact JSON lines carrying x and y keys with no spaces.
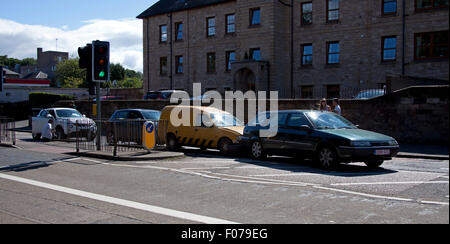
{"x":121,"y":115}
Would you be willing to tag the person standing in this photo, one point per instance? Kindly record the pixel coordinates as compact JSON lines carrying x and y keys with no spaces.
{"x":336,"y":106}
{"x":47,"y":132}
{"x":324,"y":107}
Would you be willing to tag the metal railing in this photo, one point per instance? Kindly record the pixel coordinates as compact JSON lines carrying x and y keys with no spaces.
{"x":115,"y":136}
{"x":342,"y":92}
{"x":7,"y":131}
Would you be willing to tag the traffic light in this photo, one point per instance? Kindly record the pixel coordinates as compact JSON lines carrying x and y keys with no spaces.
{"x":85,"y":62}
{"x":100,"y":61}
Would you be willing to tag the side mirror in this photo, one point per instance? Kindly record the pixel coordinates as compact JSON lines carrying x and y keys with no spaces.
{"x":84,"y":115}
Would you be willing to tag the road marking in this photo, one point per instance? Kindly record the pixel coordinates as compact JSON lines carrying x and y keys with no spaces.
{"x":206,"y":168}
{"x":122,"y":202}
{"x":390,"y":183}
{"x":247,"y":179}
{"x":288,"y":174}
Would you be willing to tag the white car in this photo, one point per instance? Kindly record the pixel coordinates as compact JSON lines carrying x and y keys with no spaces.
{"x":64,"y":123}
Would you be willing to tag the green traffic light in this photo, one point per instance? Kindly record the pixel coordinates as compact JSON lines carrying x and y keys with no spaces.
{"x":102,"y":74}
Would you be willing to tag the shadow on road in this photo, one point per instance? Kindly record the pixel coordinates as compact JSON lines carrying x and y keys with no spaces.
{"x":292,"y":165}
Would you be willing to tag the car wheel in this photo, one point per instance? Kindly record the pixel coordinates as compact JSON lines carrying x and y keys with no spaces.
{"x":36,"y":136}
{"x":327,"y":157}
{"x":60,"y":133}
{"x":171,"y":143}
{"x":257,"y":150}
{"x":225,"y":146}
{"x":374,"y":164}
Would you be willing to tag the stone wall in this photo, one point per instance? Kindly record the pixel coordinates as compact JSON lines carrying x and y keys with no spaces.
{"x":412,"y":115}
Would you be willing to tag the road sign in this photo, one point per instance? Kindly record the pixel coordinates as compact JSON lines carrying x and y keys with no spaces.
{"x":149,"y":135}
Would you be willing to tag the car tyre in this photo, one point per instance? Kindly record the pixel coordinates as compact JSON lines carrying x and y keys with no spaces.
{"x":326,"y":157}
{"x":36,"y":136}
{"x":225,"y":146}
{"x":374,"y":164}
{"x":257,"y":150}
{"x":171,"y":143}
{"x":60,"y":133}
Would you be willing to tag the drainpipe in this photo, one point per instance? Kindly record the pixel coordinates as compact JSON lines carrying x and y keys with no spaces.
{"x":171,"y":52}
{"x":403,"y":36}
{"x":292,"y":50}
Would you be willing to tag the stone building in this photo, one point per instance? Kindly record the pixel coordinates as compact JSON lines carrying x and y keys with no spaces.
{"x":301,"y":48}
{"x":46,"y":64}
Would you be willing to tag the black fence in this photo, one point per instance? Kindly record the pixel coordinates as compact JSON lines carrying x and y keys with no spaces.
{"x":330,"y":92}
{"x":7,"y":131}
{"x":114,"y":137}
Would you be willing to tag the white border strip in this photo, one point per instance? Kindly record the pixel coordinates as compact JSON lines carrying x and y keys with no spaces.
{"x":126,"y":203}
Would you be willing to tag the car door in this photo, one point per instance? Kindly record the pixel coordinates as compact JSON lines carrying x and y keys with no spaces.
{"x":276,"y":142}
{"x":203,"y":135}
{"x":39,"y":122}
{"x":297,"y":133}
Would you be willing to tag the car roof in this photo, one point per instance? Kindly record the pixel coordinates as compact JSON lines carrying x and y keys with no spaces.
{"x":136,"y":109}
{"x":60,"y":109}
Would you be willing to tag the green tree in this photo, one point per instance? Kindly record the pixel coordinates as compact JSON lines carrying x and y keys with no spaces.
{"x":117,"y":71}
{"x":69,"y":74}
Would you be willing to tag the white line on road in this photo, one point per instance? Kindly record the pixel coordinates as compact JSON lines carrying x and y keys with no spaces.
{"x":122,"y":202}
{"x":390,"y":183}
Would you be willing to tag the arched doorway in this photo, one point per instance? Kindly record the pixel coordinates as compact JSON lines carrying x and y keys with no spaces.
{"x":244,"y":80}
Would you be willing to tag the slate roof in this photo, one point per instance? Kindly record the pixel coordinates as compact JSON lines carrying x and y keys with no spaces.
{"x":169,"y":6}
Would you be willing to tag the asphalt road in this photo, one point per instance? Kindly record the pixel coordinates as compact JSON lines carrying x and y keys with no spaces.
{"x":41,"y":186}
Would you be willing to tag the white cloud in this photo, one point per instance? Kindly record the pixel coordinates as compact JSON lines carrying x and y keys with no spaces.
{"x":125,"y":36}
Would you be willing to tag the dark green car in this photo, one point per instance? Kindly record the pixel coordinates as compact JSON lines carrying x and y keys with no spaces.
{"x":326,"y":137}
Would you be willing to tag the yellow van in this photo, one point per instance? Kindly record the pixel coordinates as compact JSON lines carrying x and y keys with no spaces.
{"x":203,"y":127}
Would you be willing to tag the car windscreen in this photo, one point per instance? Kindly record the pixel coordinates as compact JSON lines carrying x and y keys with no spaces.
{"x":326,"y":120}
{"x":225,"y":120}
{"x":68,"y":113}
{"x":151,"y":115}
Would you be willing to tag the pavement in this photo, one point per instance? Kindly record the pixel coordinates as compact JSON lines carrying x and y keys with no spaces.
{"x":423,"y":151}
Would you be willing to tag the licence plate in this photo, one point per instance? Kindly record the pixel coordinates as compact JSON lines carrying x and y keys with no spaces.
{"x":382,"y":152}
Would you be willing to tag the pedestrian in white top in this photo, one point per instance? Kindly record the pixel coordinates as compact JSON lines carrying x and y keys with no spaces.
{"x":337,"y":107}
{"x":47,"y":132}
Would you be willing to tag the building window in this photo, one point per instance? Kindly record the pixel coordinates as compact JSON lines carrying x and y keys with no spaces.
{"x":389,"y":48}
{"x":332,"y":10}
{"x":306,"y":9}
{"x":230,"y":24}
{"x":230,"y":57}
{"x":431,"y":4}
{"x":306,"y":91}
{"x":431,"y":45}
{"x":163,"y":33}
{"x":255,"y":16}
{"x":333,"y":53}
{"x":255,"y":54}
{"x":163,"y":66}
{"x":211,"y":23}
{"x":307,"y":51}
{"x":333,"y":91}
{"x":179,"y":64}
{"x":179,"y":30}
{"x":211,"y":63}
{"x":389,"y":6}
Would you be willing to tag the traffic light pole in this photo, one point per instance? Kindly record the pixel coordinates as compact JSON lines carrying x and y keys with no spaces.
{"x":99,"y":116}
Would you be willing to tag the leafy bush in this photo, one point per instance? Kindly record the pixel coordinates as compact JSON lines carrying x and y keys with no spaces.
{"x":46,"y":100}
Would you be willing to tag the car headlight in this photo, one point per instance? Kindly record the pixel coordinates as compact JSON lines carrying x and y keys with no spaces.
{"x":393,"y":143}
{"x":360,"y":144}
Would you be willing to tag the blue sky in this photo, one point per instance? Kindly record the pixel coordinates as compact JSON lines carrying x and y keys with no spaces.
{"x":65,"y":25}
{"x":70,"y":13}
